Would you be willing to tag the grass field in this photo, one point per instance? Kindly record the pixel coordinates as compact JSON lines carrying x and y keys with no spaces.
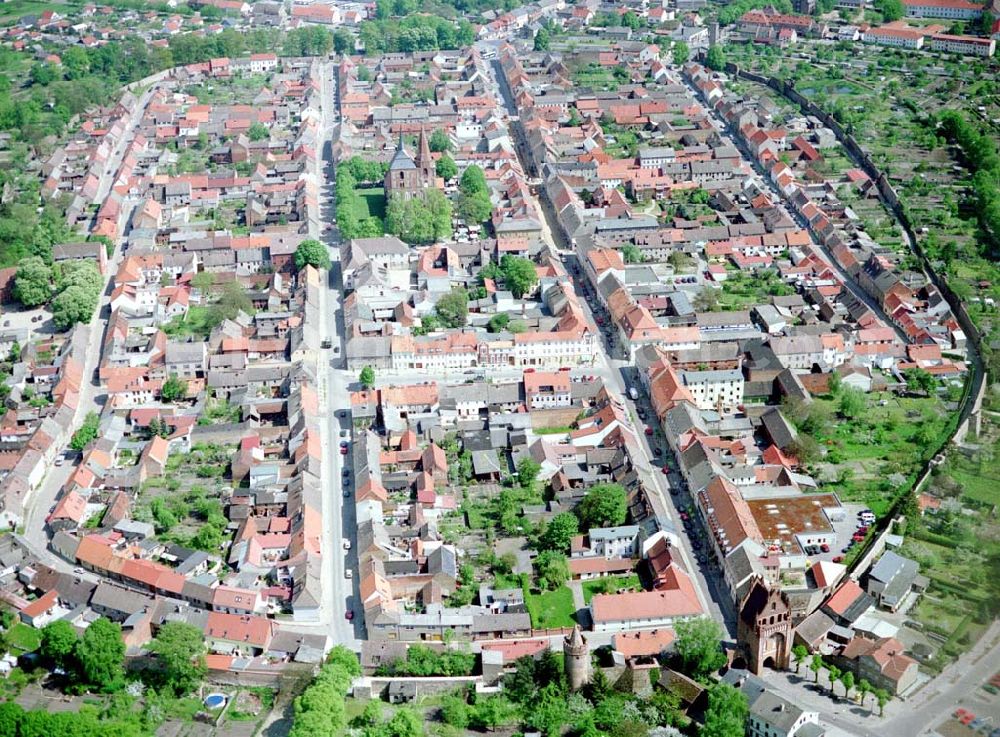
{"x":551,"y":608}
{"x":23,"y":637}
{"x":374,"y":199}
{"x":14,"y":9}
{"x":609,"y":585}
{"x":197,"y":322}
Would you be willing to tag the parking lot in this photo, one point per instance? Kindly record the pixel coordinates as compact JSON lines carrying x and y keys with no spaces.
{"x":977,"y":715}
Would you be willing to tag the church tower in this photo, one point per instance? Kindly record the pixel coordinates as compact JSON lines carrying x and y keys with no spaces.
{"x":576,"y":659}
{"x":425,"y":162}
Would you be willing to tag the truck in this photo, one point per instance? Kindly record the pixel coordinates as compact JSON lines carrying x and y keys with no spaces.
{"x":633,"y":393}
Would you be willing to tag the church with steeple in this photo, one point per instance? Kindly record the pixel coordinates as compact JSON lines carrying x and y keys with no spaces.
{"x":408,"y":176}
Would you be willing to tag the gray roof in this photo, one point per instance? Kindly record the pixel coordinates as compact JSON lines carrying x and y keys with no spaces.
{"x":775,"y":711}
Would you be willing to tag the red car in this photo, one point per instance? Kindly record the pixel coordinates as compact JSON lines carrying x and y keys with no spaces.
{"x":349,"y":615}
{"x":825,"y":548}
{"x":666,"y":470}
{"x":858,"y":538}
{"x":649,"y":431}
{"x":343,"y":451}
{"x":838,"y":559}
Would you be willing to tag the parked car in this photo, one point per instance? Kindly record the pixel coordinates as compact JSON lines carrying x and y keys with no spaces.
{"x":349,"y":614}
{"x":347,"y":544}
{"x":825,"y":548}
{"x":348,"y":573}
{"x":343,"y":450}
{"x":649,"y":431}
{"x":838,"y":559}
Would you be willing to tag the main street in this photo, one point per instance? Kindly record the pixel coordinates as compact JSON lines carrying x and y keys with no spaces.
{"x":712,"y":595}
{"x":339,"y":523}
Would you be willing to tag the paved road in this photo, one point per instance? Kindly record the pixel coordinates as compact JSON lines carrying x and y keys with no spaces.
{"x":92,"y":396}
{"x":714,"y":599}
{"x":339,"y":523}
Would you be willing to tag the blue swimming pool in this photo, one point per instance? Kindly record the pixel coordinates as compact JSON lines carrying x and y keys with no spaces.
{"x":215,"y":700}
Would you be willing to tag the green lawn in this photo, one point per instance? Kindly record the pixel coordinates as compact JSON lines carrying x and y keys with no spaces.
{"x":552,"y":430}
{"x":374,"y":199}
{"x":25,"y":638}
{"x":197,"y":323}
{"x":16,"y":8}
{"x":609,"y":585}
{"x":552,"y":609}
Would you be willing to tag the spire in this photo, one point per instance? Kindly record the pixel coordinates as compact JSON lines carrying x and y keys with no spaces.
{"x":424,"y":157}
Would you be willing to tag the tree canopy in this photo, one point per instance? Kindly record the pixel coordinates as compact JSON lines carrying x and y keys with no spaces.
{"x":422,"y":219}
{"x":312,"y":253}
{"x":173,"y":388}
{"x":698,"y":646}
{"x":446,"y":167}
{"x":180,"y":654}
{"x":100,"y":656}
{"x":33,"y":282}
{"x":605,"y":505}
{"x":727,"y":712}
{"x":367,"y":377}
{"x":453,"y":308}
{"x":518,"y":273}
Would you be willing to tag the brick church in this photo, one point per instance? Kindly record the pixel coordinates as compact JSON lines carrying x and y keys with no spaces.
{"x":408,"y":176}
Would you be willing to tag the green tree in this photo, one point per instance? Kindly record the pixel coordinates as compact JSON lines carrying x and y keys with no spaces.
{"x":455,"y":711}
{"x":446,"y":168}
{"x":232,"y":301}
{"x":552,"y":569}
{"x":33,"y":282}
{"x":203,"y":281}
{"x":527,"y":473}
{"x":852,"y":403}
{"x":58,"y":643}
{"x":864,"y":688}
{"x":404,"y":723}
{"x":716,"y":57}
{"x":173,"y":388}
{"x":799,"y":653}
{"x":816,"y":665}
{"x":833,"y":674}
{"x":547,"y":711}
{"x":312,"y":253}
{"x":919,"y":380}
{"x":883,"y":697}
{"x":519,"y":274}
{"x":453,"y":308}
{"x":605,"y":505}
{"x":100,"y":655}
{"x":367,"y":377}
{"x":73,"y":305}
{"x":698,"y":646}
{"x":492,"y":712}
{"x":422,"y":219}
{"x":180,"y":655}
{"x":681,"y":52}
{"x":891,"y":10}
{"x":560,"y":532}
{"x":847,"y":678}
{"x":43,"y":74}
{"x":439,"y":141}
{"x":474,"y":208}
{"x":727,"y":712}
{"x":498,"y":323}
{"x":631,"y":254}
{"x":343,"y":41}
{"x":258,"y":132}
{"x":86,"y":432}
{"x":542,"y":39}
{"x":473,"y":181}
